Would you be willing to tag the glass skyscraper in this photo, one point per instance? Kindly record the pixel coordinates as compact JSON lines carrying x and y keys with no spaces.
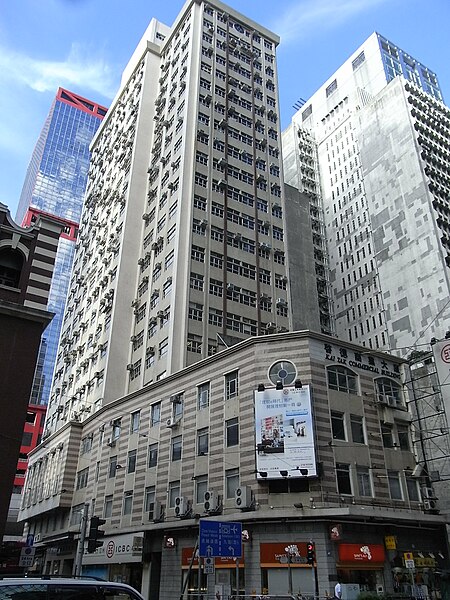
{"x":55,"y":184}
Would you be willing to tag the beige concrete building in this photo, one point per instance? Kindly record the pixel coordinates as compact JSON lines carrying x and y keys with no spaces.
{"x":200,"y":446}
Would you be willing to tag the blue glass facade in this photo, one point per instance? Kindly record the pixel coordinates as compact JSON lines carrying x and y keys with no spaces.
{"x":396,"y":62}
{"x":55,"y":184}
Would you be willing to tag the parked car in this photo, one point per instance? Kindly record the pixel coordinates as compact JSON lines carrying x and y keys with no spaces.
{"x":65,"y":589}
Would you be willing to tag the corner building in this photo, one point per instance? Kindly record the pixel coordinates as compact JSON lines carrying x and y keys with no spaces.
{"x":181,"y":247}
{"x":383,"y":161}
{"x":327,"y":457}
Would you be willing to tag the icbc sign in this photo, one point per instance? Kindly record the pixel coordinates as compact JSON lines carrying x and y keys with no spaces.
{"x":110,"y":549}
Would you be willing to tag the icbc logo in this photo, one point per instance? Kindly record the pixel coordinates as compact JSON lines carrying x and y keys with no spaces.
{"x":110,"y":549}
{"x":445,"y":353}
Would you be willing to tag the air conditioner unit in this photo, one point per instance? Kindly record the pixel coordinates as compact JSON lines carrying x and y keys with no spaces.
{"x":160,"y":314}
{"x":180,"y":506}
{"x":243,"y":497}
{"x":270,"y":326}
{"x":37,"y":537}
{"x":428,"y":493}
{"x":111,"y":442}
{"x":211,"y":501}
{"x":171,"y":422}
{"x":135,"y":302}
{"x":431,"y":504}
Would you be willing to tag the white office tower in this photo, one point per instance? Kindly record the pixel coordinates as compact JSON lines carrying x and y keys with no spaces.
{"x":181,"y":248}
{"x":382,"y":140}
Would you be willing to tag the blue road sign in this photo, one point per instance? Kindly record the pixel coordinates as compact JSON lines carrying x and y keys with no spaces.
{"x":219,"y":538}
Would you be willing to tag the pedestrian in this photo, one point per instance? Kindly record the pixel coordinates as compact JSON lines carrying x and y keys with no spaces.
{"x":338,"y":590}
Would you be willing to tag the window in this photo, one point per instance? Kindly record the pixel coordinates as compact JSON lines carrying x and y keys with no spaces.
{"x":232,"y":432}
{"x":231,"y":482}
{"x":112,"y":466}
{"x":155,"y":414}
{"x":82,"y":478}
{"x":174,"y":492}
{"x":364,"y":483}
{"x":386,"y":433}
{"x":131,"y":463}
{"x":357,"y":427}
{"x":107,"y":507}
{"x":149,"y":501}
{"x":395,"y":488}
{"x":116,"y":426}
{"x":231,"y":385}
{"x":176,"y":448}
{"x":201,"y":486}
{"x":343,"y":478}
{"x":202,"y":441}
{"x":128,"y":502}
{"x":26,"y":438}
{"x":337,"y":425}
{"x":203,"y":396}
{"x":77,"y":513}
{"x":134,"y":421}
{"x":163,"y":348}
{"x":413,"y":490}
{"x":403,"y":437}
{"x":342,"y":379}
{"x":86,"y":444}
{"x":152,"y":455}
{"x":389,"y":392}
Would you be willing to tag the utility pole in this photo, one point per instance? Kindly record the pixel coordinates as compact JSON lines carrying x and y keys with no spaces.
{"x":80,"y":547}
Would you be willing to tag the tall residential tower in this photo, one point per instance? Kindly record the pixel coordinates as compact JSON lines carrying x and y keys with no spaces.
{"x":181,"y":248}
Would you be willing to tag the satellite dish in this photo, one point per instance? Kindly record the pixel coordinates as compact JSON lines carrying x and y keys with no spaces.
{"x":283,"y":371}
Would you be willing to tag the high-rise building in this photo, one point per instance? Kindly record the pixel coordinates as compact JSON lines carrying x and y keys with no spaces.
{"x":380,"y":128}
{"x":181,"y":247}
{"x":55,"y":184}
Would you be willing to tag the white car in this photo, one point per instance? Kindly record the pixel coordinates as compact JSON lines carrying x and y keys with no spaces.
{"x":47,"y":588}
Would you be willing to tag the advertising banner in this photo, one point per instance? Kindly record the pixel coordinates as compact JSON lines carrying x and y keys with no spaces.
{"x":284,"y":434}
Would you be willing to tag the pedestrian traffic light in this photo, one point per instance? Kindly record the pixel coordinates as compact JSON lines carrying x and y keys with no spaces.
{"x":94,"y":534}
{"x":310,"y":553}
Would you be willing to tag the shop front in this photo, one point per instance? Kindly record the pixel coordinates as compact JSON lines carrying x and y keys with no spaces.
{"x":228,"y":575}
{"x":285,"y":569}
{"x":361,"y":565}
{"x":118,"y":559}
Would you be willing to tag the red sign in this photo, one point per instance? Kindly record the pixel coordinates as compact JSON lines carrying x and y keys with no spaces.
{"x":274,"y":554}
{"x":361,"y":553}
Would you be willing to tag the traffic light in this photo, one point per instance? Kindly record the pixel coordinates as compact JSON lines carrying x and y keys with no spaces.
{"x":94,"y":534}
{"x":310,"y":553}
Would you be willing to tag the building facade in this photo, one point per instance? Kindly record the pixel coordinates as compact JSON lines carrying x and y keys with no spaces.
{"x":55,"y":184}
{"x":324,"y":454}
{"x":181,"y":249}
{"x":27,"y":256}
{"x":380,"y":128}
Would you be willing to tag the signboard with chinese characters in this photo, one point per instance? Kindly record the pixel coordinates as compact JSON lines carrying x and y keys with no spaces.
{"x":390,"y":541}
{"x":441,"y":353}
{"x":284,"y":434}
{"x":359,"y":361}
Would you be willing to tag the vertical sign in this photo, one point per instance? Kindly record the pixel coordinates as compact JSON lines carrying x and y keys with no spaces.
{"x":441,"y":353}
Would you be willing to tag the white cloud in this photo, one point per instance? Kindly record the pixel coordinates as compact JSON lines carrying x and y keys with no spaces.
{"x":79,"y":69}
{"x":308,"y":17}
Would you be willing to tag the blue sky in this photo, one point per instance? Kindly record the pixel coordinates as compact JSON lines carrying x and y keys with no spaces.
{"x":84,"y":45}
